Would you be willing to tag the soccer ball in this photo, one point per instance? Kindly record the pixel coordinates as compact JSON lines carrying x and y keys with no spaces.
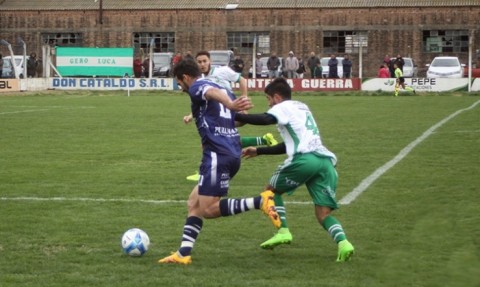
{"x":135,"y":242}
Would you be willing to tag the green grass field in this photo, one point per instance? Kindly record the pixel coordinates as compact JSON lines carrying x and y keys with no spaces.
{"x":77,"y":169}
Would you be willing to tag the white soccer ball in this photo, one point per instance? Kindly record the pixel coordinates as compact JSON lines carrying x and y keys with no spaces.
{"x":135,"y":242}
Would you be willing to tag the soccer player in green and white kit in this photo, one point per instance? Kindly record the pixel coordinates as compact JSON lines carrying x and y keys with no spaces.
{"x":309,"y":162}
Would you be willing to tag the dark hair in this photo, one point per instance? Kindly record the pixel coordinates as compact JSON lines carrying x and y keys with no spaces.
{"x":186,"y":67}
{"x":281,"y":87}
{"x":203,"y":53}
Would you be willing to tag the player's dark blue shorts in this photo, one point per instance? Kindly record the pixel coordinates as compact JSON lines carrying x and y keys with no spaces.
{"x":216,"y":171}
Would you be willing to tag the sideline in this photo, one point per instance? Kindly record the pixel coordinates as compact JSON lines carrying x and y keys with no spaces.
{"x":357,"y":191}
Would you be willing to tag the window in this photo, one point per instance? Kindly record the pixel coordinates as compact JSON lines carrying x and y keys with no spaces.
{"x":242,"y":42}
{"x":345,"y":42}
{"x":439,"y":41}
{"x":162,"y":41}
{"x":63,"y":39}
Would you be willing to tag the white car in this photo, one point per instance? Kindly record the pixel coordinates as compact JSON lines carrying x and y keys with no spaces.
{"x":220,"y":58}
{"x":326,"y":68}
{"x":18,"y":64}
{"x":445,"y":67}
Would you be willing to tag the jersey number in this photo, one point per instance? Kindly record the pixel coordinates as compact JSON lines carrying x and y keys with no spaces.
{"x":224,"y":112}
{"x":311,"y":125}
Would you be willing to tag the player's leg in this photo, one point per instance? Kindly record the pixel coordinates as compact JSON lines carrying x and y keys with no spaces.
{"x":322,"y":189}
{"x":397,"y":87}
{"x":408,"y":88}
{"x":191,"y":230}
{"x":283,"y":235}
{"x":297,"y":172}
{"x":267,"y":139}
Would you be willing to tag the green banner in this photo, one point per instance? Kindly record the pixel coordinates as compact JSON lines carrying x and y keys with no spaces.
{"x":74,"y":61}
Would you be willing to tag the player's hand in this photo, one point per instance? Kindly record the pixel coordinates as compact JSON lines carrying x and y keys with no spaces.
{"x":241,"y":104}
{"x":188,"y":118}
{"x":249,"y":152}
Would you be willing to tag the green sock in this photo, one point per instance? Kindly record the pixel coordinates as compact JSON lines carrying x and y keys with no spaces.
{"x":280,"y":210}
{"x":252,"y":141}
{"x":409,"y":89}
{"x":334,"y":228}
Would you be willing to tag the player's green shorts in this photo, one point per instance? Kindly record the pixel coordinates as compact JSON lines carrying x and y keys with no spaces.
{"x":315,"y":171}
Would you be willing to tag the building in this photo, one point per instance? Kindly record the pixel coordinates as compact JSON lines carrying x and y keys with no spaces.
{"x":421,"y":29}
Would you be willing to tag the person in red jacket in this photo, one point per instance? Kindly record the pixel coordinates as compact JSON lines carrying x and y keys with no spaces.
{"x":137,"y":67}
{"x":384,"y":72}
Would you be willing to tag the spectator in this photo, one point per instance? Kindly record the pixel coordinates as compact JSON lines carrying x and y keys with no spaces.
{"x":146,"y":67}
{"x":258,"y":66}
{"x":333,"y":67}
{"x":317,"y":71}
{"x":273,"y":63}
{"x":301,"y":68}
{"x":137,"y":67}
{"x":387,"y":60}
{"x":389,"y":63}
{"x":384,"y":71}
{"x":400,"y":62}
{"x":312,"y":63}
{"x":188,"y":55}
{"x":39,"y":67}
{"x":347,"y":66}
{"x":238,"y":64}
{"x":177,"y":58}
{"x":32,"y":65}
{"x":291,"y":65}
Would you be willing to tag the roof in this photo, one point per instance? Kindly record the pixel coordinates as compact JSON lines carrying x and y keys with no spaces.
{"x":17,"y":5}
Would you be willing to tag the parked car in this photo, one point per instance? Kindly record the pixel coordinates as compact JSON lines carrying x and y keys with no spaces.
{"x":409,"y":67}
{"x":445,"y":67}
{"x":18,"y":64}
{"x":326,"y":68}
{"x":221,"y":58}
{"x":162,"y":64}
{"x":7,"y":71}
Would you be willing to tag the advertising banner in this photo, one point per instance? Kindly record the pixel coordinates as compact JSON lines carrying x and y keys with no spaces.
{"x":112,"y":84}
{"x":112,"y":62}
{"x":307,"y":84}
{"x":419,"y":84}
{"x":9,"y":85}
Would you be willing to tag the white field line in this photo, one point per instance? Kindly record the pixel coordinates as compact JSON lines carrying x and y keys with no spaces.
{"x":357,"y":191}
{"x":85,"y":199}
{"x":44,"y":110}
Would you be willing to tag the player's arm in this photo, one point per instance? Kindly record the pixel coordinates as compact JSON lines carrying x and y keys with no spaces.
{"x":239,"y":104}
{"x":256,"y":119}
{"x":251,"y":151}
{"x":243,"y":86}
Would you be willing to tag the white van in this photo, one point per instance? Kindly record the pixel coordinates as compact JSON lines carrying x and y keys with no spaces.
{"x":221,"y":58}
{"x":18,"y":64}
